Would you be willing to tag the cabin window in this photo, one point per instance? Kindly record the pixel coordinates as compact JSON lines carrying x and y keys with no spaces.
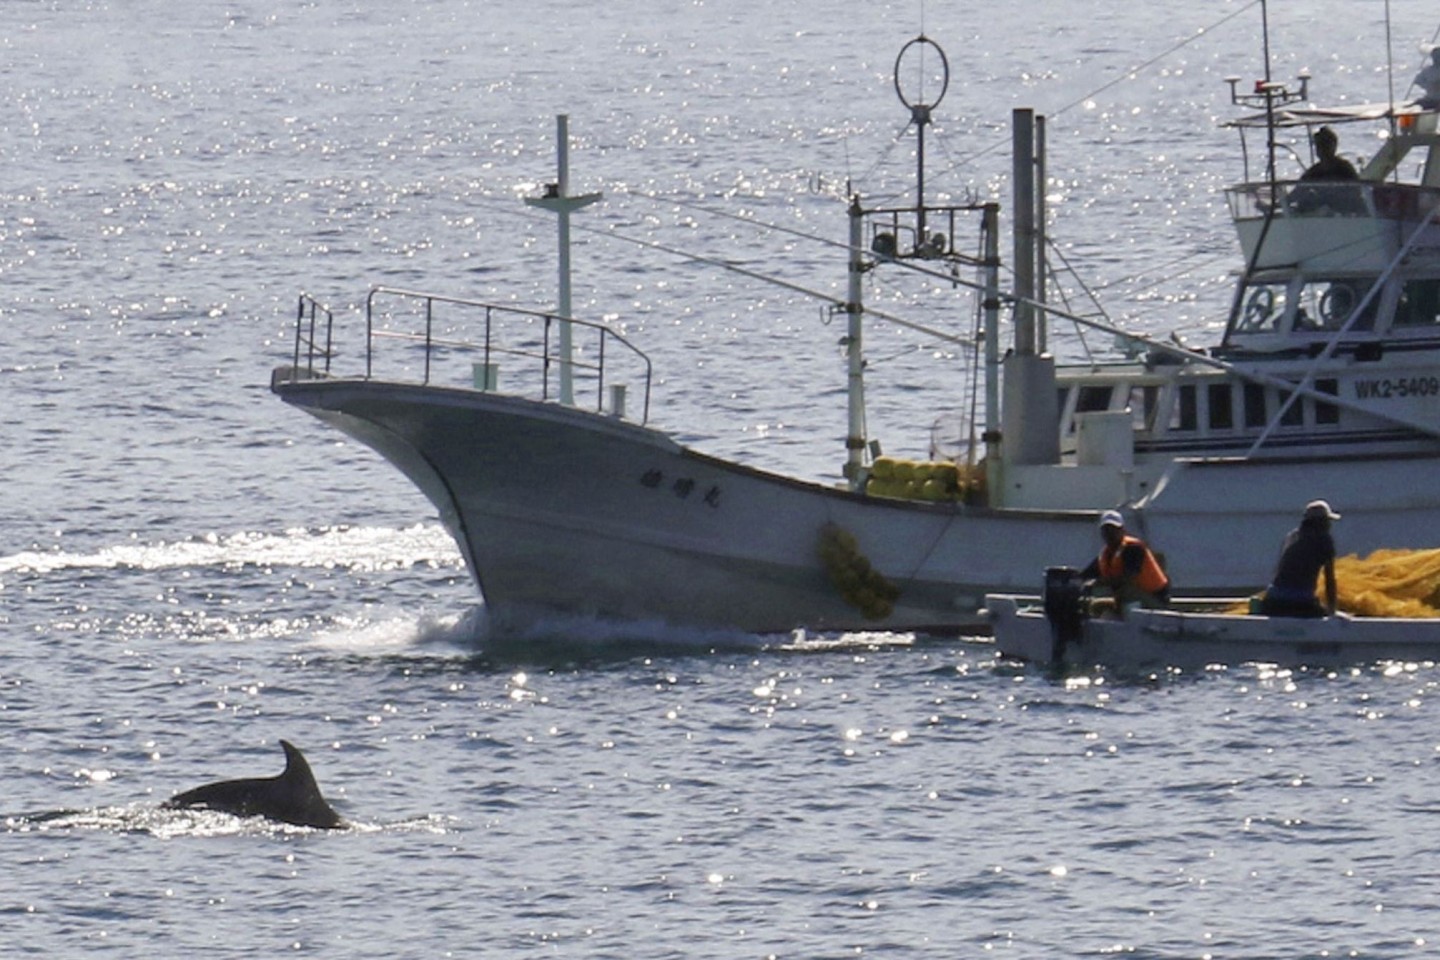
{"x":1294,"y":414}
{"x":1254,"y":395}
{"x":1222,"y":413}
{"x":1262,"y":308}
{"x":1088,"y":399}
{"x":1184,"y":417}
{"x":1419,"y":304}
{"x":1142,"y":406}
{"x":1328,"y":304}
{"x":1327,"y":412}
{"x":1092,"y":399}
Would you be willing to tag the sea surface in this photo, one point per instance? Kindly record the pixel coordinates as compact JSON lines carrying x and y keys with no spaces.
{"x":191,"y":570}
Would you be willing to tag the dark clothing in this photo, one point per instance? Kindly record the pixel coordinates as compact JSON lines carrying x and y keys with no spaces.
{"x":1273,"y":606}
{"x":1308,"y":550}
{"x":1331,"y":168}
{"x":1319,"y":190}
{"x":1312,"y":198}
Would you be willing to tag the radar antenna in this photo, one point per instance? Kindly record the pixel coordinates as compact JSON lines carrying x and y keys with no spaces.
{"x":920,"y":115}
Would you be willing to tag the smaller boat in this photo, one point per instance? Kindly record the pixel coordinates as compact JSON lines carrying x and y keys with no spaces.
{"x":1056,"y":629}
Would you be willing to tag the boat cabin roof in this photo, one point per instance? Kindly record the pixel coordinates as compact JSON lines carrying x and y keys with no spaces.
{"x":1314,"y":116}
{"x":1413,"y":127}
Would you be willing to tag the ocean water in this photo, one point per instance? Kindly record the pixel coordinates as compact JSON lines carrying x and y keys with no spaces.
{"x":191,"y":571}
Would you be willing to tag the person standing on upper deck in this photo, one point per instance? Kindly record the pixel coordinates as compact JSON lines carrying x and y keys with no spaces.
{"x":1330,"y":166}
{"x":1428,"y":80}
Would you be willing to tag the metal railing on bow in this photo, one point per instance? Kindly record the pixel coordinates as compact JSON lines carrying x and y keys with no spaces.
{"x":429,"y":339}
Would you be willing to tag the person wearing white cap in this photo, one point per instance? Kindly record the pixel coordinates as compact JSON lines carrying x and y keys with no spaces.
{"x":1308,"y":551}
{"x":1127,"y":567}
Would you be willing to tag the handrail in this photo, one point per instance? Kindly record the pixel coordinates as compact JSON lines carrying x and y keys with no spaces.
{"x":1386,"y":201}
{"x":497,"y":339}
{"x":310,"y":308}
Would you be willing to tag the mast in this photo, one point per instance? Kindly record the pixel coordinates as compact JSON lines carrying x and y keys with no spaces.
{"x":558,"y":200}
{"x":920,"y":115}
{"x":914,"y":232}
{"x":855,"y":354}
{"x":991,"y":228}
{"x":1267,"y":95}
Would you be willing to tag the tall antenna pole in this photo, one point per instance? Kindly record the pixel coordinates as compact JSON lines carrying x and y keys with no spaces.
{"x":1389,"y":56}
{"x":1268,"y":95}
{"x":557,"y":199}
{"x":1269,"y":101}
{"x":920,"y":115}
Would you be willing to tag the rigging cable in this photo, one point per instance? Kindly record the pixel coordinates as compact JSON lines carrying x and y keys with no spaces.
{"x":1130,"y":74}
{"x":1125,"y":75}
{"x":832,"y":299}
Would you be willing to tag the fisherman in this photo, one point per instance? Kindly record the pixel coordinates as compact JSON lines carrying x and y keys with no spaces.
{"x":1315,"y":192}
{"x":1428,"y":80}
{"x":1308,"y":550}
{"x":1128,"y":568}
{"x":1330,"y":166}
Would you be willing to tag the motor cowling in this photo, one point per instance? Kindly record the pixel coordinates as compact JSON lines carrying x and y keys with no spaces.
{"x":1063,"y":598}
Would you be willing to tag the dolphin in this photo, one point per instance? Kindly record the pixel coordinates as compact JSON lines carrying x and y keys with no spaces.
{"x":292,"y":797}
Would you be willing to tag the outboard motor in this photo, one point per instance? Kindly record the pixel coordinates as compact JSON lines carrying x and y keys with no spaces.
{"x":1064,"y":601}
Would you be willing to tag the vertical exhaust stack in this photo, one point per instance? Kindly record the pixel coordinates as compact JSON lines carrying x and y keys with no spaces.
{"x":1030,"y":416}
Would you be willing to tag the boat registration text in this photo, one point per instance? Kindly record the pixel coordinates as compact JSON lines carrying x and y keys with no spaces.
{"x":1398,"y":388}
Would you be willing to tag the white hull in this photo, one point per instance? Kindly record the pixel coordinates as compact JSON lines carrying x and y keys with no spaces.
{"x":1191,"y":639}
{"x":1324,"y":385}
{"x":559,"y":510}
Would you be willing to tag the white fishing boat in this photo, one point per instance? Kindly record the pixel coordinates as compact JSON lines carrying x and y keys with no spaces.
{"x":1198,"y":634}
{"x":1326,"y":382}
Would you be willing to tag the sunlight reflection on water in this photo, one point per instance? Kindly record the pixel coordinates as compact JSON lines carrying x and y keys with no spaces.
{"x":191,"y":570}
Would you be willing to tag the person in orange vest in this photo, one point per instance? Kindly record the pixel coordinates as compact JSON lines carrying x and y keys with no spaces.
{"x":1128,"y":568}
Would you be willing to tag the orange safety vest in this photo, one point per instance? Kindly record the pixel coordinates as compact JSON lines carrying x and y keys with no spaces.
{"x":1151,"y":579}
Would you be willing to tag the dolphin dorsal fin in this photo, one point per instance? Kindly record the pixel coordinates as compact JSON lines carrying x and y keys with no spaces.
{"x":307,"y":802}
{"x":291,"y":797}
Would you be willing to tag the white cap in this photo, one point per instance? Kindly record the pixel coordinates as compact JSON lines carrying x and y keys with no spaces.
{"x":1112,"y":518}
{"x":1319,"y":509}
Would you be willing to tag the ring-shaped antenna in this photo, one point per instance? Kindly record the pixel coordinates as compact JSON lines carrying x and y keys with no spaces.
{"x":920,"y":111}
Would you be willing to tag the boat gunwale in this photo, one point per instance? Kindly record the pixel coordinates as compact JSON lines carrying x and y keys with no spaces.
{"x":552,"y":410}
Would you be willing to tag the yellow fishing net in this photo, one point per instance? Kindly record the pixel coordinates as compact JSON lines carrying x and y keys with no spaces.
{"x":1388,"y":583}
{"x":926,"y":480}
